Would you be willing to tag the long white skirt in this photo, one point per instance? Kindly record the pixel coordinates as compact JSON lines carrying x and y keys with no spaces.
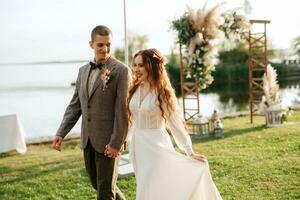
{"x":162,"y":173}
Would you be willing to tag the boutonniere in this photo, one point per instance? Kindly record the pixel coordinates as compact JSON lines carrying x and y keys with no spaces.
{"x":105,"y":77}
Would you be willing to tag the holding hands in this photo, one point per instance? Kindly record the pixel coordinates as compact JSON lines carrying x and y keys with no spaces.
{"x":111,"y":152}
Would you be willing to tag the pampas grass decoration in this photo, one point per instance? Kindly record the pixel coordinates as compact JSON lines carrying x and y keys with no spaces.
{"x":206,"y":23}
{"x":200,"y":31}
{"x":271,"y":87}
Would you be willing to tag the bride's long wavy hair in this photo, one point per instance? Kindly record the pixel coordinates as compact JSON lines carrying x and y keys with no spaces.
{"x":154,"y":64}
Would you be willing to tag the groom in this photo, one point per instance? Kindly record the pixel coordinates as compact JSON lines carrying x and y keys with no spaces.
{"x":99,"y":97}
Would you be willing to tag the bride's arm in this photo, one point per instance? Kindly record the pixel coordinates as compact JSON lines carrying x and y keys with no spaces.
{"x":182,"y":138}
{"x":176,"y":125}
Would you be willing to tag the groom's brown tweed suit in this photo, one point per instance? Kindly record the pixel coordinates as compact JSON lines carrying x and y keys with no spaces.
{"x":103,"y":121}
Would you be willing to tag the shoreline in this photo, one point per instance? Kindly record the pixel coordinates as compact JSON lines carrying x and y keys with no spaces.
{"x":49,"y":139}
{"x":74,"y":136}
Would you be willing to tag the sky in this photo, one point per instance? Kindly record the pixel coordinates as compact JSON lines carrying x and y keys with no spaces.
{"x":59,"y":30}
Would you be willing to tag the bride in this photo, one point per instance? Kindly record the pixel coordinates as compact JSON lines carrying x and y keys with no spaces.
{"x":161,"y":172}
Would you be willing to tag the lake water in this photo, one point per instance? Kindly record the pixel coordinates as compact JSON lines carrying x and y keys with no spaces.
{"x":39,"y":94}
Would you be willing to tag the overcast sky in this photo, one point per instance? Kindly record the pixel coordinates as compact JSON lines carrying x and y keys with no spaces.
{"x":48,"y":30}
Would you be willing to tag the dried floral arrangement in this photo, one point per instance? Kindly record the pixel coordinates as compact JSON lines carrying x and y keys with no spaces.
{"x":200,"y":31}
{"x":271,"y":87}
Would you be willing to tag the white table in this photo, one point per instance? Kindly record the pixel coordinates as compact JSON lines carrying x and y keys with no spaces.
{"x":11,"y":134}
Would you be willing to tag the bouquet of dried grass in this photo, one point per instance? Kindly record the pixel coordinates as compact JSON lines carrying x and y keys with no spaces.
{"x":200,"y":31}
{"x":271,"y":87}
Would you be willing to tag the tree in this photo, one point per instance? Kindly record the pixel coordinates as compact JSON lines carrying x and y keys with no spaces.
{"x":173,"y":68}
{"x":296,"y":45}
{"x":237,"y":55}
{"x":135,"y":42}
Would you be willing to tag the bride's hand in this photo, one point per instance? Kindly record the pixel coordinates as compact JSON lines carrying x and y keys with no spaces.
{"x":198,"y":157}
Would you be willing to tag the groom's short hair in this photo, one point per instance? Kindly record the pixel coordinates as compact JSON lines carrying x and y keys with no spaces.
{"x":100,"y":30}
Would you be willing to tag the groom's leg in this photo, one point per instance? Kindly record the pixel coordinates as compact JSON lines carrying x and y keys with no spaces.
{"x":103,"y":173}
{"x":106,"y":176}
{"x":90,"y":164}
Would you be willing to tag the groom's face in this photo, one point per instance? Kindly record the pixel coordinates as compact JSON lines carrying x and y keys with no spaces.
{"x":101,"y":44}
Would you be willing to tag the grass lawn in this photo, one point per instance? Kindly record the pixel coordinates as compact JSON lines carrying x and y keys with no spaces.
{"x":250,"y":162}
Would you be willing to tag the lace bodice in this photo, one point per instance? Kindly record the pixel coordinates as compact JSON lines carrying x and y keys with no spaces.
{"x":147,"y":115}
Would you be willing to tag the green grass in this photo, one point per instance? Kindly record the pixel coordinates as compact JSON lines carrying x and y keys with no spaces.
{"x":250,"y":162}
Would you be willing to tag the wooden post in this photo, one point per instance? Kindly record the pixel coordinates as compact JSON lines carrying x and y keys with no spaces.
{"x":182,"y":79}
{"x":257,"y":65}
{"x":190,"y":89}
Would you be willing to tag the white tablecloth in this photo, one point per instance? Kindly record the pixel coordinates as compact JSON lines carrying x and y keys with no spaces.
{"x":11,"y":134}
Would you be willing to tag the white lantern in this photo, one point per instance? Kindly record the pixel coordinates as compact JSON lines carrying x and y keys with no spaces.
{"x":218,"y":129}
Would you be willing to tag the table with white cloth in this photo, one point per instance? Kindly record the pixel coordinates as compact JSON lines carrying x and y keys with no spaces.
{"x":11,"y":134}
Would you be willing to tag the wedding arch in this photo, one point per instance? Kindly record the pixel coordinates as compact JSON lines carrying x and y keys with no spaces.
{"x":198,"y":34}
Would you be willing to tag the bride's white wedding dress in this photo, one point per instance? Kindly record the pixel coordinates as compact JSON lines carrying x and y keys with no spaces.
{"x":161,"y":172}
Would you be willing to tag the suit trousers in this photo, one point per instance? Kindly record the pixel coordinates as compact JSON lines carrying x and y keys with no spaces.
{"x":103,"y":173}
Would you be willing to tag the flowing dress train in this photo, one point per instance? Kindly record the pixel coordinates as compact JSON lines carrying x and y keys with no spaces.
{"x":161,"y":172}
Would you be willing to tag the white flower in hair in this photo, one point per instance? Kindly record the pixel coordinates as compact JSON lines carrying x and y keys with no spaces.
{"x":155,"y":56}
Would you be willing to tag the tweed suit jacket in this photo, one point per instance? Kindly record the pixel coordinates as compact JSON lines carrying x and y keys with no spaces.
{"x":103,"y":111}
